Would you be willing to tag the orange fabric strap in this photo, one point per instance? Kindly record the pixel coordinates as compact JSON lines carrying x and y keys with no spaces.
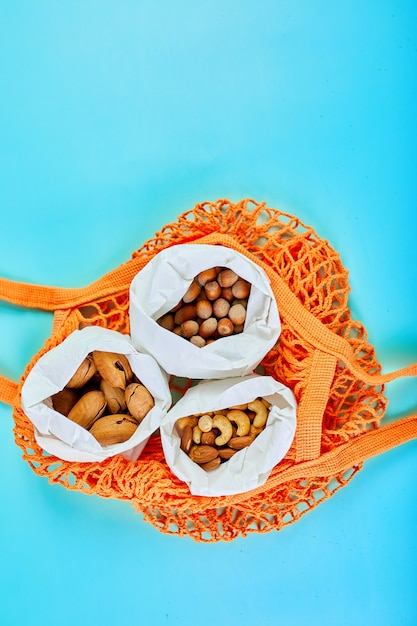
{"x":52,"y":298}
{"x":343,"y":457}
{"x":312,"y":406}
{"x":8,"y":390}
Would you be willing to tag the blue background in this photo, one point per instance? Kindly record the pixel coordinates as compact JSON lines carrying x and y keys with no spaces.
{"x":115,"y":117}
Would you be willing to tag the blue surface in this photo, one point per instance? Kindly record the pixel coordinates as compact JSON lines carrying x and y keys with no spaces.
{"x":114,"y":119}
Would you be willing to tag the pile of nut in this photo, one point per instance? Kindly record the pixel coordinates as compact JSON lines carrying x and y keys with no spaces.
{"x":105,"y":397}
{"x":212,"y":438}
{"x":213,"y":306}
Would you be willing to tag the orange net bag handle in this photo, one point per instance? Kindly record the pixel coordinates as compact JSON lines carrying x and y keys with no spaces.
{"x":57,"y":298}
{"x":8,"y":390}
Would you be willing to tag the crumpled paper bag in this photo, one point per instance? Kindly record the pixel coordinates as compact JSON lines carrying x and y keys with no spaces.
{"x":60,"y":436}
{"x":249,"y":468}
{"x":160,"y":285}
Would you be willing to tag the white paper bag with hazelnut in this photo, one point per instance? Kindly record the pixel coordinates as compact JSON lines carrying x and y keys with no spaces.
{"x":203,"y":311}
{"x":94,"y":396}
{"x":223,"y":437}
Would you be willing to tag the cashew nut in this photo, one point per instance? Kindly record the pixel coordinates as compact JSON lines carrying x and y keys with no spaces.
{"x":205,"y":423}
{"x":189,"y":420}
{"x":241,"y":407}
{"x":261,"y":413}
{"x":197,"y":432}
{"x":255,"y":431}
{"x":223,"y":424}
{"x":241,"y":420}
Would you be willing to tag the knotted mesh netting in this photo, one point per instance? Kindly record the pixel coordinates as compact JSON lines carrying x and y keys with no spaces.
{"x":315,"y":275}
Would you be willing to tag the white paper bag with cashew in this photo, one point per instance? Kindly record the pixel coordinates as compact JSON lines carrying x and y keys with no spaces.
{"x":60,"y":436}
{"x":248,"y":468}
{"x":159,"y":287}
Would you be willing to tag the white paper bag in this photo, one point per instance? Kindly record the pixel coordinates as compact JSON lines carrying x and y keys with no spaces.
{"x":248,"y":468}
{"x":157,"y":288}
{"x":62,"y":437}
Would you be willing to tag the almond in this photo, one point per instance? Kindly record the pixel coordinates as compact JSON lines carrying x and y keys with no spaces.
{"x":226,"y":453}
{"x":238,"y":443}
{"x":186,"y":439}
{"x":211,"y":465}
{"x":203,"y":454}
{"x":209,"y":438}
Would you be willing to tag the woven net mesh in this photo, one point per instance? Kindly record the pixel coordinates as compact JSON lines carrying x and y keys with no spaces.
{"x":315,"y":274}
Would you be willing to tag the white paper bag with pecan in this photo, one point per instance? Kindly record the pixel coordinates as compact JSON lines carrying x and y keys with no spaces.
{"x":240,"y":469}
{"x":69,"y":440}
{"x":156,"y":291}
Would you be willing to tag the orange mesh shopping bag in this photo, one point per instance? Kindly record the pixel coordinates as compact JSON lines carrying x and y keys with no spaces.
{"x":322,"y":355}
